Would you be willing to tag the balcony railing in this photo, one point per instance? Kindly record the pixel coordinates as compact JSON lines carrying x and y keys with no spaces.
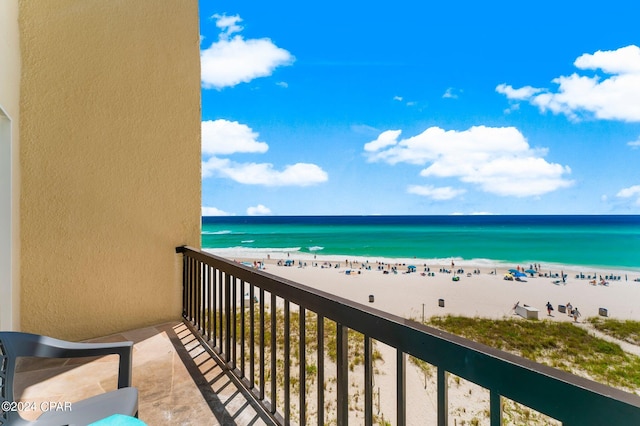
{"x":281,"y":338}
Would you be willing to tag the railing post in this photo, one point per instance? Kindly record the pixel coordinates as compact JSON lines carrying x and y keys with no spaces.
{"x":261,"y":345}
{"x":320,"y":357}
{"x":287,"y":363}
{"x":443,"y":403}
{"x":185,"y":283}
{"x":303,"y":366}
{"x":368,"y":380}
{"x":274,"y":354}
{"x":495,"y":407}
{"x":401,"y":361}
{"x":342,"y":369}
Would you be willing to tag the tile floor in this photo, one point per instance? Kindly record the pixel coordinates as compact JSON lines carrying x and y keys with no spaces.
{"x":179,"y":382}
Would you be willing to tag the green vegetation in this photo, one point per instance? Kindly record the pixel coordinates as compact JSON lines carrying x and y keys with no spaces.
{"x":628,"y":331}
{"x":558,"y":344}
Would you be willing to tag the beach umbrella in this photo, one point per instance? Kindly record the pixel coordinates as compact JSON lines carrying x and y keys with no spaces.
{"x":513,"y":271}
{"x":519,"y":274}
{"x":531,"y":271}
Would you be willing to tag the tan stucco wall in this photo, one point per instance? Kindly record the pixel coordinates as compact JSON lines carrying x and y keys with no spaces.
{"x":110,"y":158}
{"x":10,"y":104}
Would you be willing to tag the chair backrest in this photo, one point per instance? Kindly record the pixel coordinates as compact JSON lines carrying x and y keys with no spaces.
{"x":7,"y":370}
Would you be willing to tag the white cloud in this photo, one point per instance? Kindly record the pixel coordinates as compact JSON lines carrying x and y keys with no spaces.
{"x":387,"y":138}
{"x":299,"y":174}
{"x":258,"y":210}
{"x":630,"y":192}
{"x":213,"y":211}
{"x":517,"y":94}
{"x":229,"y":137}
{"x":497,"y":160}
{"x":612,"y":98}
{"x":451,"y":93}
{"x":223,"y":137}
{"x":443,"y":193}
{"x":228,"y":25}
{"x":234,"y":60}
{"x":634,"y":144}
{"x":282,"y":84}
{"x":397,"y":98}
{"x":625,"y":60}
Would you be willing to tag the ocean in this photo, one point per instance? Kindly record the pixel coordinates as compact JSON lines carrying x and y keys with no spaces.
{"x":572,"y":241}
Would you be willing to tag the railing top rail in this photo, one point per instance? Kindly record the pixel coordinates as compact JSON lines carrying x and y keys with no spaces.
{"x":559,"y":394}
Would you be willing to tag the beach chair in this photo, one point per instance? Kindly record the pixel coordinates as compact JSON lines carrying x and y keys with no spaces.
{"x":14,"y":345}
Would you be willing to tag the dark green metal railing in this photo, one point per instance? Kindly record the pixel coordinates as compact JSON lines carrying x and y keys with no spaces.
{"x":215,"y":304}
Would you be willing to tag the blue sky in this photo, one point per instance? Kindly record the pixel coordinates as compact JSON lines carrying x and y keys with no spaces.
{"x":409,"y":107}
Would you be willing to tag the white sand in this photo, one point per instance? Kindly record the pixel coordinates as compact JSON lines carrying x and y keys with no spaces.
{"x":484,"y":295}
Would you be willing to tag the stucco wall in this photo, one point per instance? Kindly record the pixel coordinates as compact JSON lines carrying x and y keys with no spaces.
{"x":110,"y":161}
{"x":9,"y":168}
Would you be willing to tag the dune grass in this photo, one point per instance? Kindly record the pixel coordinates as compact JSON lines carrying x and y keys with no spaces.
{"x":558,"y":344}
{"x":626,"y":330}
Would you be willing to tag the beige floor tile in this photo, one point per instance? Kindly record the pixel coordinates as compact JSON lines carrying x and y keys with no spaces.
{"x":179,"y":382}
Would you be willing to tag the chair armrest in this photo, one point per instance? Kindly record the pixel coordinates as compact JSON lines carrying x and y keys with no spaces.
{"x":33,"y":345}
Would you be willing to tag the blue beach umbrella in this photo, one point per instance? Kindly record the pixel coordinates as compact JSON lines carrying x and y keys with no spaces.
{"x":513,"y":271}
{"x":519,"y":274}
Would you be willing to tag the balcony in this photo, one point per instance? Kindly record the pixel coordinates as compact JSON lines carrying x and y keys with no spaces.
{"x":257,"y":349}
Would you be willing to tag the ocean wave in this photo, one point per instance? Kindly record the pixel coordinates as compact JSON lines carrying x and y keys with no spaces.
{"x":315,"y":248}
{"x":223,"y":232}
{"x":253,"y":252}
{"x":247,"y":241}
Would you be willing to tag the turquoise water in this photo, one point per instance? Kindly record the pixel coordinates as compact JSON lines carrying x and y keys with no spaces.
{"x":605,"y":241}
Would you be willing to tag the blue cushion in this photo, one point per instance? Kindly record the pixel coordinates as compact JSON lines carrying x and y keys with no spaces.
{"x":119,"y":420}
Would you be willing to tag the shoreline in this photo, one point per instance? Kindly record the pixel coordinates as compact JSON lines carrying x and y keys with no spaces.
{"x":293,"y":253}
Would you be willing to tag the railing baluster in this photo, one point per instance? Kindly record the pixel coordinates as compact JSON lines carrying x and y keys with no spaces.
{"x":401,"y":388}
{"x":443,"y":397}
{"x":320,"y":356}
{"x":220,"y":310}
{"x":342,"y":369}
{"x":193,"y":290}
{"x":234,"y":323}
{"x":261,"y":344}
{"x":185,"y":284}
{"x":495,"y":408}
{"x":201,"y":298}
{"x":252,"y":338}
{"x":190,"y":292}
{"x":274,"y":353}
{"x":242,"y":326}
{"x":210,"y":306}
{"x":303,"y":366}
{"x":368,"y":380}
{"x":217,"y":318}
{"x":287,"y":364}
{"x":227,"y":317}
{"x":205,"y":306}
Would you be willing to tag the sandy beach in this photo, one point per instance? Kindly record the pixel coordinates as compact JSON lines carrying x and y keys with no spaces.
{"x":484,"y":294}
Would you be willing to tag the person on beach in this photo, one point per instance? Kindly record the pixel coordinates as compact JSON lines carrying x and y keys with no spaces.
{"x":549,"y":308}
{"x":576,"y":314}
{"x":569,"y":308}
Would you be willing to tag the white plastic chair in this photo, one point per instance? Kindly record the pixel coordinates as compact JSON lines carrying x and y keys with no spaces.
{"x":124,"y":400}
